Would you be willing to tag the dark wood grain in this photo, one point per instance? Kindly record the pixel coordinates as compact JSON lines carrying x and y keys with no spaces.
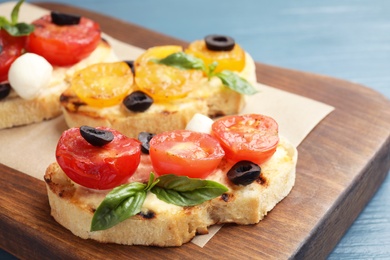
{"x":341,"y":164}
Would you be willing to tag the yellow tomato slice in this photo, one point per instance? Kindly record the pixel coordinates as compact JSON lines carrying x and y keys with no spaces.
{"x":103,"y":84}
{"x":162,"y":82}
{"x":158,"y":52}
{"x":233,"y":60}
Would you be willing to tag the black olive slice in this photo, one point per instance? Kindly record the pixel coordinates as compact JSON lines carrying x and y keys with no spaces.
{"x":137,"y":101}
{"x":5,"y":89}
{"x":217,"y":42}
{"x":64,"y":19}
{"x":144,"y":138}
{"x":1,"y":48}
{"x":244,"y":173}
{"x":96,"y":137}
{"x":147,"y":215}
{"x":131,"y":65}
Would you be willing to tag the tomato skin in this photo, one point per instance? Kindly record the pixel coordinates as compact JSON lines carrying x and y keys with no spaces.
{"x":103,"y":84}
{"x":98,"y":167}
{"x":63,"y":45}
{"x":184,"y":152}
{"x":250,"y":137}
{"x":164,"y":83}
{"x":233,"y":60}
{"x":12,"y":47}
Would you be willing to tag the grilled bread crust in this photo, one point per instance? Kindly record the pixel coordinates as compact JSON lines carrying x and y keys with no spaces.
{"x":15,"y":111}
{"x":165,"y":225}
{"x":212,"y":99}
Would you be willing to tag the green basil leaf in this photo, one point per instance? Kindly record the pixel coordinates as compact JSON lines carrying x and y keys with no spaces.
{"x":121,"y":203}
{"x":212,"y":68}
{"x":3,"y":21}
{"x":236,"y":83}
{"x":182,"y":60}
{"x":15,"y":12}
{"x":126,"y":200}
{"x":184,"y":191}
{"x":151,"y":182}
{"x":20,"y":29}
{"x":13,"y":27}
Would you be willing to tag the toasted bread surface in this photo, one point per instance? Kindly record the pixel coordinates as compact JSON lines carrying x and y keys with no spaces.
{"x":162,"y":224}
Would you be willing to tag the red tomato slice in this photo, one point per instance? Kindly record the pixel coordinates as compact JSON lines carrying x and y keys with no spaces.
{"x":98,"y":167}
{"x":10,"y":48}
{"x":247,"y":137}
{"x":66,"y":44}
{"x":184,"y":152}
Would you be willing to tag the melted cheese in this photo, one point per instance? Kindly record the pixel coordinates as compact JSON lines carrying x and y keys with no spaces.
{"x":157,"y":205}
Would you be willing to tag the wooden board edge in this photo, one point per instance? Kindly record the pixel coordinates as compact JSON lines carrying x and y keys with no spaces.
{"x":344,"y":211}
{"x":313,"y":247}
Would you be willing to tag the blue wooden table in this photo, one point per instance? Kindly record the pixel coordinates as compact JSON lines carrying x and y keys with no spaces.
{"x":347,"y":39}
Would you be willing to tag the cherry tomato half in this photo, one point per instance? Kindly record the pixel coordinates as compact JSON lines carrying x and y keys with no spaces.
{"x":250,"y":137}
{"x":66,"y":44}
{"x":95,"y":167}
{"x":184,"y":152}
{"x":103,"y":84}
{"x":10,"y":48}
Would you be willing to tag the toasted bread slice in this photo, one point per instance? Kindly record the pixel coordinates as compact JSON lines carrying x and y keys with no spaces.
{"x":15,"y":111}
{"x":211,"y":98}
{"x":162,"y":224}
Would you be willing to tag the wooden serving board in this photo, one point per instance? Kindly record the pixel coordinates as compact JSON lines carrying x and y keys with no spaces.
{"x":342,"y":162}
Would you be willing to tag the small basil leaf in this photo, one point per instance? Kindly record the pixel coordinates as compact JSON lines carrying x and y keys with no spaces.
{"x":121,"y":203}
{"x":151,"y":182}
{"x":24,"y":28}
{"x":182,"y":60}
{"x":184,"y":191}
{"x":13,"y":27}
{"x":12,"y":30}
{"x":212,"y":68}
{"x":20,"y":29}
{"x":3,"y":21}
{"x":236,"y":83}
{"x":15,"y":12}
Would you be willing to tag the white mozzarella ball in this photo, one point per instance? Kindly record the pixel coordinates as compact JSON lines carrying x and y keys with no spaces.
{"x":29,"y":74}
{"x":200,"y":123}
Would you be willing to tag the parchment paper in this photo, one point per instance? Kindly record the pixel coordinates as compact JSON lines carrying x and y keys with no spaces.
{"x":30,"y":149}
